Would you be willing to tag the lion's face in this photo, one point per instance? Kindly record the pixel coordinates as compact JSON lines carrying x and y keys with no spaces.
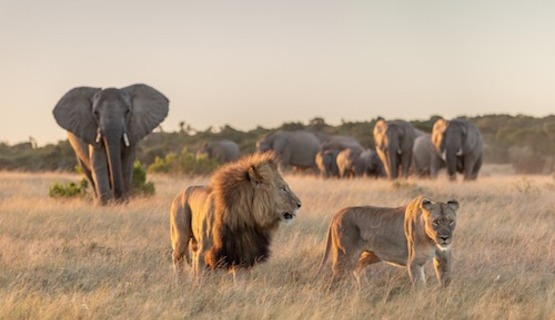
{"x":287,"y":202}
{"x":440,"y":221}
{"x":275,"y":200}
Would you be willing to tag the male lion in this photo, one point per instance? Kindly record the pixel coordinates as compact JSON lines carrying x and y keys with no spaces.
{"x":406,"y":236}
{"x":229,"y":224}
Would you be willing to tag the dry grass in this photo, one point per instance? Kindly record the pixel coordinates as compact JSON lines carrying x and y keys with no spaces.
{"x":69,"y":259}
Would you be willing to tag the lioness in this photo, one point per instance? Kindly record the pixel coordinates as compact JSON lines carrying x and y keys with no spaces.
{"x":406,"y":236}
{"x":229,"y":224}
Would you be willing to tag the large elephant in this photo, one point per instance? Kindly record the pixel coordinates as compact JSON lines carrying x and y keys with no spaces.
{"x":426,"y":160}
{"x":294,"y":148}
{"x":326,"y":163}
{"x":394,"y":141}
{"x":461,"y":145}
{"x":222,"y":150}
{"x":104,"y":127}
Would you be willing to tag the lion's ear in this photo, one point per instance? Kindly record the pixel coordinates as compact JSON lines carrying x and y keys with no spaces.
{"x":254,"y":176}
{"x":426,"y":204}
{"x":453,"y":204}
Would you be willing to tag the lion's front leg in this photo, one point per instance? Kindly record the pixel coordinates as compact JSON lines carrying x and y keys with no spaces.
{"x":442,"y":266}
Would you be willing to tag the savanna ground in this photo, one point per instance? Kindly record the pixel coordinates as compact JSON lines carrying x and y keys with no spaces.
{"x":70,"y":259}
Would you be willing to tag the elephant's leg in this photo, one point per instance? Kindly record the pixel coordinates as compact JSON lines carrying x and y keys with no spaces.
{"x":477,"y":167}
{"x":88,"y":174}
{"x":127,"y":162}
{"x":469,"y":164}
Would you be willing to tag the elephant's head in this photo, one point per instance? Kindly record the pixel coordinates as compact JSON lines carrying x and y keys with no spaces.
{"x":113,"y":120}
{"x":449,"y":139}
{"x":265,"y":143}
{"x":204,"y":151}
{"x":389,"y":139}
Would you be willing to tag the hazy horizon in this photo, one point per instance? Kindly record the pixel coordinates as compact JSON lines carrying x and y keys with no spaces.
{"x":250,"y":63}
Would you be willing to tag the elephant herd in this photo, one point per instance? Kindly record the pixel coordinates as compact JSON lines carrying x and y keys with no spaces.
{"x":401,"y":150}
{"x":105,"y":125}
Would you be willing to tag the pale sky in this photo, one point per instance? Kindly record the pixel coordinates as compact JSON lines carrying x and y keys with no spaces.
{"x":249,"y":63}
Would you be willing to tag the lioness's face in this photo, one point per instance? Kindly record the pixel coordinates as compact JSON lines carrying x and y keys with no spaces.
{"x":287,"y":202}
{"x":440,"y":222}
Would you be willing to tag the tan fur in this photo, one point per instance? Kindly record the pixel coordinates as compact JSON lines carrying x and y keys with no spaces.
{"x":229,"y":224}
{"x":404,"y":236}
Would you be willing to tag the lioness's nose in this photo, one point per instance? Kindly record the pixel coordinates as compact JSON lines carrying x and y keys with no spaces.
{"x":298,"y":205}
{"x":444,"y":238}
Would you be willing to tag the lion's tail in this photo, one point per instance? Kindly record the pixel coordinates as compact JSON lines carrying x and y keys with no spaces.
{"x":327,"y":247}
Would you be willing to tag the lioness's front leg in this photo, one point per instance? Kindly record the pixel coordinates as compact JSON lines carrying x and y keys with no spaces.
{"x":442,"y":266}
{"x":416,"y":273}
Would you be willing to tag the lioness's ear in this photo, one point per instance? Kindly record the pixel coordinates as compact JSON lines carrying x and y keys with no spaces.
{"x":453,"y":204}
{"x":426,"y":204}
{"x":253,"y":176}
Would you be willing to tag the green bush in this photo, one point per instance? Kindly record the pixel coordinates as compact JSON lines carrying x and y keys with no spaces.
{"x":139,"y":185}
{"x":69,"y":190}
{"x":185,"y":163}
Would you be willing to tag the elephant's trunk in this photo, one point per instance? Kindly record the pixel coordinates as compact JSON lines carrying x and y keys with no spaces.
{"x":392,"y":161}
{"x":451,"y":161}
{"x":113,"y":149}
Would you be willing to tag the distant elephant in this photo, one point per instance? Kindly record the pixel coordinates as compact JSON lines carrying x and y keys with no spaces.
{"x":348,"y":163}
{"x":104,"y":127}
{"x":294,"y":148}
{"x":394,"y":141}
{"x":326,"y":162}
{"x":370,"y":165}
{"x":426,"y":160}
{"x":222,"y":150}
{"x":461,"y":145}
{"x":338,"y":142}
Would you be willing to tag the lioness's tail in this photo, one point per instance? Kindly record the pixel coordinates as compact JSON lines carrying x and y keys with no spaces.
{"x":327,"y":247}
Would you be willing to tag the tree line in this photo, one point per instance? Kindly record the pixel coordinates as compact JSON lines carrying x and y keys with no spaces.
{"x":526,"y":142}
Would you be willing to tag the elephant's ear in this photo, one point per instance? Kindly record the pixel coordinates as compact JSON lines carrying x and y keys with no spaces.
{"x":74,"y":113}
{"x":149,"y":109}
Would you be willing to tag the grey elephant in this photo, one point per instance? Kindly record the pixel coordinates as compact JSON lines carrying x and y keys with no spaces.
{"x":355,"y":163}
{"x":326,"y":163}
{"x":348,"y":163}
{"x":394,"y":141}
{"x":370,"y":165}
{"x":461,"y":145}
{"x":426,"y":160}
{"x":294,"y":148}
{"x":104,"y":127}
{"x":223,"y":150}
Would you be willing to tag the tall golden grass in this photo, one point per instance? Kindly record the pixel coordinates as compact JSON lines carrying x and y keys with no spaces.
{"x":70,"y":259}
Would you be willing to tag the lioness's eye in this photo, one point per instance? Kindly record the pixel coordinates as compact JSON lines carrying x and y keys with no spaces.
{"x":451,"y":223}
{"x":435,"y":223}
{"x":284,"y":189}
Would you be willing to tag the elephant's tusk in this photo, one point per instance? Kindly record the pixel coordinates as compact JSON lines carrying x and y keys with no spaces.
{"x":126,"y":139}
{"x":98,"y":136}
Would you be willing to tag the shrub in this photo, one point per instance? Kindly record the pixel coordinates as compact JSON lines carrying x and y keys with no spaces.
{"x":69,"y":190}
{"x":139,"y":185}
{"x":185,"y":163}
